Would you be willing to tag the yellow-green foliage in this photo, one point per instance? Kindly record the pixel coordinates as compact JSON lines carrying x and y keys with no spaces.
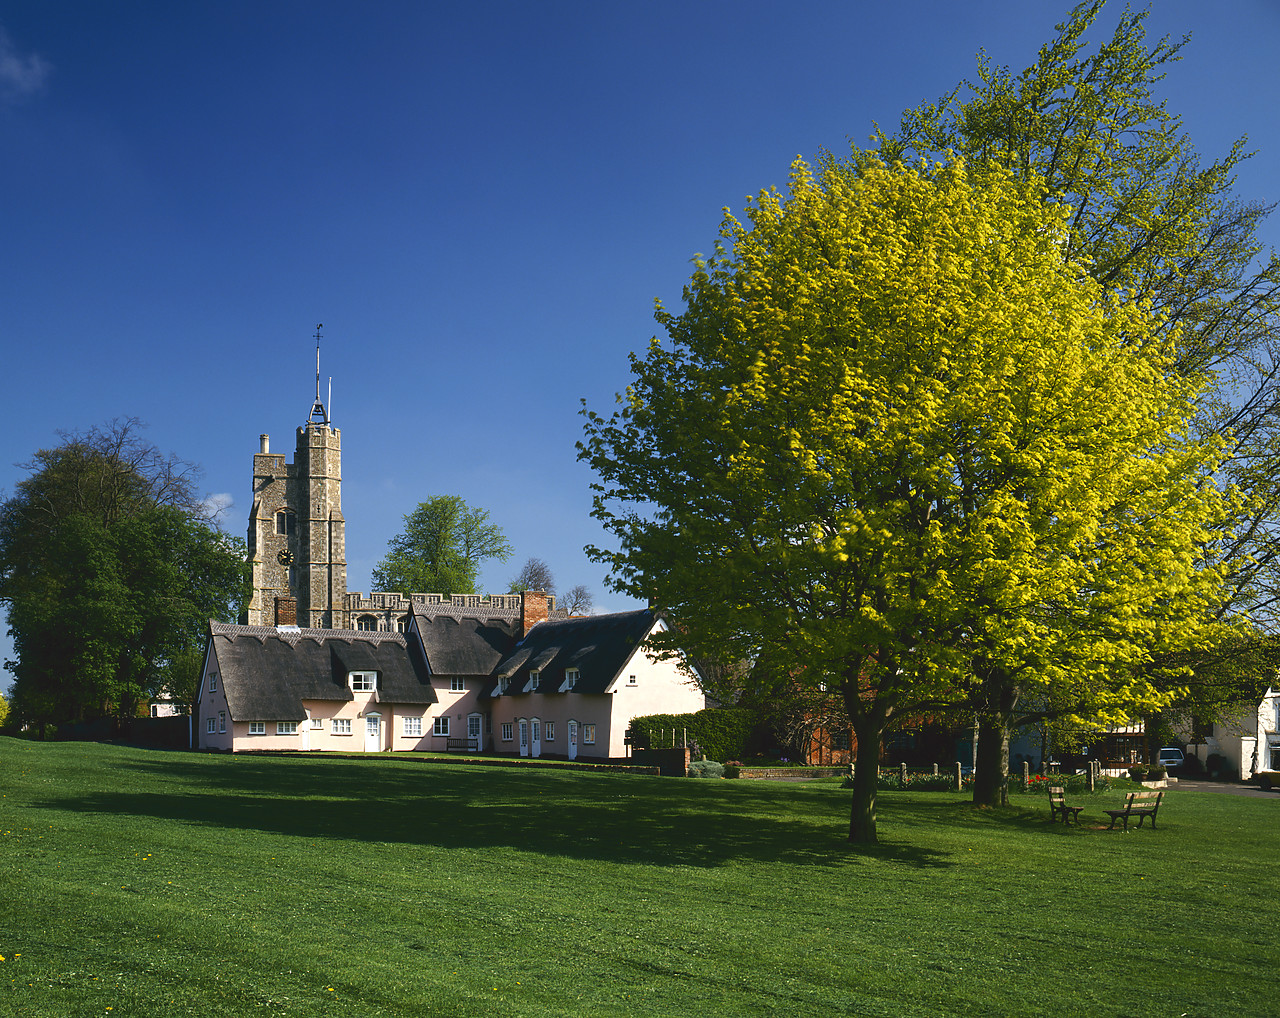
{"x":4,"y":710}
{"x":895,"y":429}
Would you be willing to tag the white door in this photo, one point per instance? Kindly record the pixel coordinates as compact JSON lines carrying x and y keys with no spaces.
{"x":373,"y":733}
{"x":524,"y":737}
{"x":573,"y":740}
{"x":474,"y":732}
{"x":536,"y":727}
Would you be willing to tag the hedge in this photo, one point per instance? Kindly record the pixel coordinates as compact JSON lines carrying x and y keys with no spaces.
{"x":720,"y":732}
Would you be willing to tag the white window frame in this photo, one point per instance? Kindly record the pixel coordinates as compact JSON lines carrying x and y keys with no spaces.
{"x":535,"y":677}
{"x":457,"y":684}
{"x":571,"y":676}
{"x":363,"y":682}
{"x":440,"y":726}
{"x":257,"y":728}
{"x":286,"y":728}
{"x":548,"y":731}
{"x":317,"y":723}
{"x":413,"y":728}
{"x":631,"y":680}
{"x":588,"y":733}
{"x":211,"y":725}
{"x":213,"y":682}
{"x":508,"y":731}
{"x":340,"y":726}
{"x":222,"y":722}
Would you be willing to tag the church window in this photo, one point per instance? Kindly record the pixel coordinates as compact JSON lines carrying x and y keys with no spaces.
{"x":285,"y":522}
{"x":364,"y":682}
{"x":402,"y":624}
{"x":367,"y":623}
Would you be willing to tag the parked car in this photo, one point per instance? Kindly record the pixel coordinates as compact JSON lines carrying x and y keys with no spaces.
{"x":1268,"y":780}
{"x":1170,"y":758}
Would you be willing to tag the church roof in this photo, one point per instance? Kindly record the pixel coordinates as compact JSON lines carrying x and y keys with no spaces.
{"x":599,"y":646}
{"x":268,"y":672}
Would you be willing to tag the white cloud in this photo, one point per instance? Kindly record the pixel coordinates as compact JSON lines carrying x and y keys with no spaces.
{"x":21,"y":75}
{"x":217,"y":506}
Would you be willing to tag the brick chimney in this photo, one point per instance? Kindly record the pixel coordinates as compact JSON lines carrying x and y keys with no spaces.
{"x":286,"y":611}
{"x":533,"y":609}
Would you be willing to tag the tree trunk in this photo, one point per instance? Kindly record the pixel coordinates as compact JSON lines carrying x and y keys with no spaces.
{"x":991,"y":772}
{"x":862,"y":815}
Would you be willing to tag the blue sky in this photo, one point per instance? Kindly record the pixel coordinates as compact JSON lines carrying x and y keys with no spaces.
{"x":480,"y":202}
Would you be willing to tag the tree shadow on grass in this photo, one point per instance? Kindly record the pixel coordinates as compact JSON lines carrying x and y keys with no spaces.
{"x":619,"y":818}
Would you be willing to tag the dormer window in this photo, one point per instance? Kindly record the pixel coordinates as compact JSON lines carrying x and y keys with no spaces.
{"x":570,"y":678}
{"x":364,"y":682}
{"x":534,"y":677}
{"x":502,"y":686}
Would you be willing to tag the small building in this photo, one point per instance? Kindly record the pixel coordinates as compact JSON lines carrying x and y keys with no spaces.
{"x":457,"y":680}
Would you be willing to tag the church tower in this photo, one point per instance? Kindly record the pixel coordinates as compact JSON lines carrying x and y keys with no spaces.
{"x":297,"y":535}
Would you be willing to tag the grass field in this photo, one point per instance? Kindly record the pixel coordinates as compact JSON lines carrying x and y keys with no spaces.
{"x":142,"y":883}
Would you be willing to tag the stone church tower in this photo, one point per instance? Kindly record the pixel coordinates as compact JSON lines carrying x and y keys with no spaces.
{"x":297,"y":536}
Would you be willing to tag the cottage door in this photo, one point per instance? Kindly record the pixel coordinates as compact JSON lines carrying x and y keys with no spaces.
{"x":573,"y":740}
{"x":373,"y":733}
{"x":473,"y":732}
{"x":524,"y":737}
{"x":536,"y":726}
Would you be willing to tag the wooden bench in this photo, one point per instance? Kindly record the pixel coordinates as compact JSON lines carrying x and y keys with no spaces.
{"x":1058,"y":806}
{"x":1137,"y":804}
{"x":468,"y":744}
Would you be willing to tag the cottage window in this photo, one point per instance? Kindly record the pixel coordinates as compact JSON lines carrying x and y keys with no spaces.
{"x":222,"y":721}
{"x":364,"y":682}
{"x":213,"y":682}
{"x":341,"y":726}
{"x":286,"y":728}
{"x":440,"y":726}
{"x":413,"y":726}
{"x":549,"y":731}
{"x":457,"y":684}
{"x":317,"y":722}
{"x":588,"y":735}
{"x":211,"y":725}
{"x":570,"y":678}
{"x":506,"y":731}
{"x":257,"y":728}
{"x":631,"y":680}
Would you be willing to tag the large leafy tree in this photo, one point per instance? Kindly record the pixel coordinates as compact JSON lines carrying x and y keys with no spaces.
{"x":110,"y":571}
{"x":898,"y":439}
{"x":1146,"y":217}
{"x":440,"y":550}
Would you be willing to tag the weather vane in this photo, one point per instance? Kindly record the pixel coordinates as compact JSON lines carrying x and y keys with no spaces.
{"x":319,"y":414}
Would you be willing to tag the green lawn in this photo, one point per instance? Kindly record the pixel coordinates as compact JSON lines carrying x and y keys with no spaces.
{"x":146,"y":883}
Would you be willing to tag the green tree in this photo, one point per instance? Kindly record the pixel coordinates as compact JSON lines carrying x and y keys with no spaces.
{"x":896,"y":440}
{"x":110,"y":572}
{"x":440,"y":549}
{"x":1146,"y":218}
{"x":4,"y":710}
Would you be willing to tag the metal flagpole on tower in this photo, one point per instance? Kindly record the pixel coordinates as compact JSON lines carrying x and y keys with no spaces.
{"x":319,"y":415}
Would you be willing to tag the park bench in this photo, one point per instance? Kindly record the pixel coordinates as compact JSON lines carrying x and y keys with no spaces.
{"x":466,"y":744}
{"x":1137,"y":804}
{"x":1058,"y":806}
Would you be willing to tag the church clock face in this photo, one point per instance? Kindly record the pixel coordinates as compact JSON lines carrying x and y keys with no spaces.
{"x":285,"y":558}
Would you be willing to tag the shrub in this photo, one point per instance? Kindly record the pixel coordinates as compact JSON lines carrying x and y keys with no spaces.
{"x":732,"y":769}
{"x":1138,"y":772}
{"x":721,"y":732}
{"x":706,"y":769}
{"x":1157,"y":772}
